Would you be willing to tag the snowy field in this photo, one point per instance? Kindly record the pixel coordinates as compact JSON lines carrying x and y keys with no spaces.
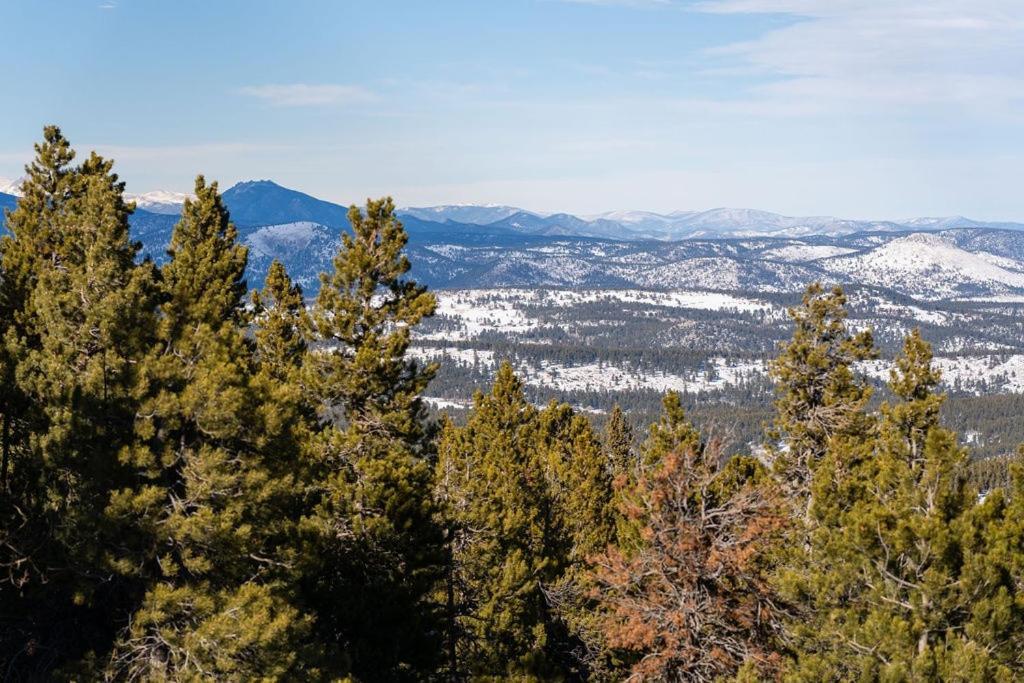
{"x":972,"y":358}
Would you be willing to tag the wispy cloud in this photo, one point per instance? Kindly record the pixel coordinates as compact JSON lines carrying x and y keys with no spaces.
{"x":862,"y":53}
{"x":307,"y":95}
{"x":108,"y":5}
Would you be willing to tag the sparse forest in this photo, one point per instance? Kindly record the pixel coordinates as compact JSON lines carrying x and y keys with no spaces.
{"x":199,"y":482}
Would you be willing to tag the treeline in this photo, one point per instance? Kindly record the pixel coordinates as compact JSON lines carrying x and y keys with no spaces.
{"x":197,"y":484}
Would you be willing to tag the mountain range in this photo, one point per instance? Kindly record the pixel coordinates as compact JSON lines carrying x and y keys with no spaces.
{"x":720,"y":249}
{"x":263,"y":202}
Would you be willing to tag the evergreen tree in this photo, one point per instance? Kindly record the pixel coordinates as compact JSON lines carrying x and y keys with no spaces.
{"x":672,"y":433}
{"x":281,"y":320}
{"x":904,"y":577}
{"x":79,"y":316}
{"x":287,"y":416}
{"x":492,"y":484}
{"x":618,"y":442}
{"x":819,"y":396}
{"x":579,"y":522}
{"x":31,"y":245}
{"x":581,"y":483}
{"x":215,"y":604}
{"x":527,"y":495}
{"x":380,"y":548}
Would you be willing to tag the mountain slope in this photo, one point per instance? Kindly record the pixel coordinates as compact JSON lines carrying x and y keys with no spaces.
{"x":7,"y":201}
{"x":159,"y":201}
{"x":262,"y":202}
{"x":460,"y":213}
{"x":927,"y":266}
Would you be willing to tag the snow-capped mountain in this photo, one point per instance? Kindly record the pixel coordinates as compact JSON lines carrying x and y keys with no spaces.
{"x":719,"y":249}
{"x":306,"y":248}
{"x":720,"y":222}
{"x":928,"y":266}
{"x":463,"y":213}
{"x":11,"y":187}
{"x":957,"y":264}
{"x":159,"y":201}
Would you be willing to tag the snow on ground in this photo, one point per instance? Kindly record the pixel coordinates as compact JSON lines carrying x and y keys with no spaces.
{"x":609,"y":377}
{"x":997,"y":299}
{"x":452,"y":354}
{"x":798,"y":253}
{"x":447,"y":250}
{"x":468,"y":313}
{"x":711,"y":301}
{"x":442,"y":403}
{"x":971,"y":373}
{"x":296,"y":236}
{"x":159,"y":201}
{"x":915,"y":312}
{"x":926,"y":266}
{"x":477,"y":311}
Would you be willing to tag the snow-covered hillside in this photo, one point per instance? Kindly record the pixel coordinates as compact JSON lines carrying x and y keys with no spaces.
{"x":159,"y":201}
{"x":928,"y":266}
{"x":11,"y":187}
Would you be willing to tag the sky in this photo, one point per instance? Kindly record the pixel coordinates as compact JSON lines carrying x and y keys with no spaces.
{"x":857,"y":108}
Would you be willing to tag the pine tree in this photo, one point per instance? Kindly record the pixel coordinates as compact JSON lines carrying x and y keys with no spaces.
{"x":31,"y":245}
{"x":583,"y":484}
{"x":672,"y":433}
{"x":618,"y":442}
{"x":579,"y":521}
{"x":692,"y":601}
{"x":380,"y":546}
{"x":214,"y":604}
{"x":819,"y":396}
{"x":281,"y":320}
{"x":903,"y":576}
{"x":527,"y":495}
{"x":287,"y":415}
{"x":491,"y":481}
{"x":80,"y":316}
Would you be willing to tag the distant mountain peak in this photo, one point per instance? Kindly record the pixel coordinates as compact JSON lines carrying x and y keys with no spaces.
{"x":264,"y":202}
{"x":257,"y":184}
{"x":473,"y":214}
{"x":11,"y":187}
{"x":159,"y":201}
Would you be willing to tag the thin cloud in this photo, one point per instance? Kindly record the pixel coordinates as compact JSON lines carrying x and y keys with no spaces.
{"x":878,"y":53}
{"x":307,"y":95}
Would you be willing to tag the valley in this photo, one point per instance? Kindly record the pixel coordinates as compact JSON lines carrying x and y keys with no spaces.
{"x":693,"y":302}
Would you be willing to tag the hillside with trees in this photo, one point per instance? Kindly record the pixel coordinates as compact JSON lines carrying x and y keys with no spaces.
{"x":199,"y":482}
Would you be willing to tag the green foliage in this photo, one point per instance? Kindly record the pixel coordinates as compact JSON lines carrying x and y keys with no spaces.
{"x":903,"y":577}
{"x":818,"y":395}
{"x":527,"y":495}
{"x":672,"y":433}
{"x":78,"y":313}
{"x":191,"y":489}
{"x":491,"y":482}
{"x":618,"y":442}
{"x":206,"y":511}
{"x":376,"y":550}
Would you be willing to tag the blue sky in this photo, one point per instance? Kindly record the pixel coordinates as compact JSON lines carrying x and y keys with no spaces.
{"x":860,"y":108}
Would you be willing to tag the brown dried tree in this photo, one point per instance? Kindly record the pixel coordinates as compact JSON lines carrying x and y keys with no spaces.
{"x":692,"y":603}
